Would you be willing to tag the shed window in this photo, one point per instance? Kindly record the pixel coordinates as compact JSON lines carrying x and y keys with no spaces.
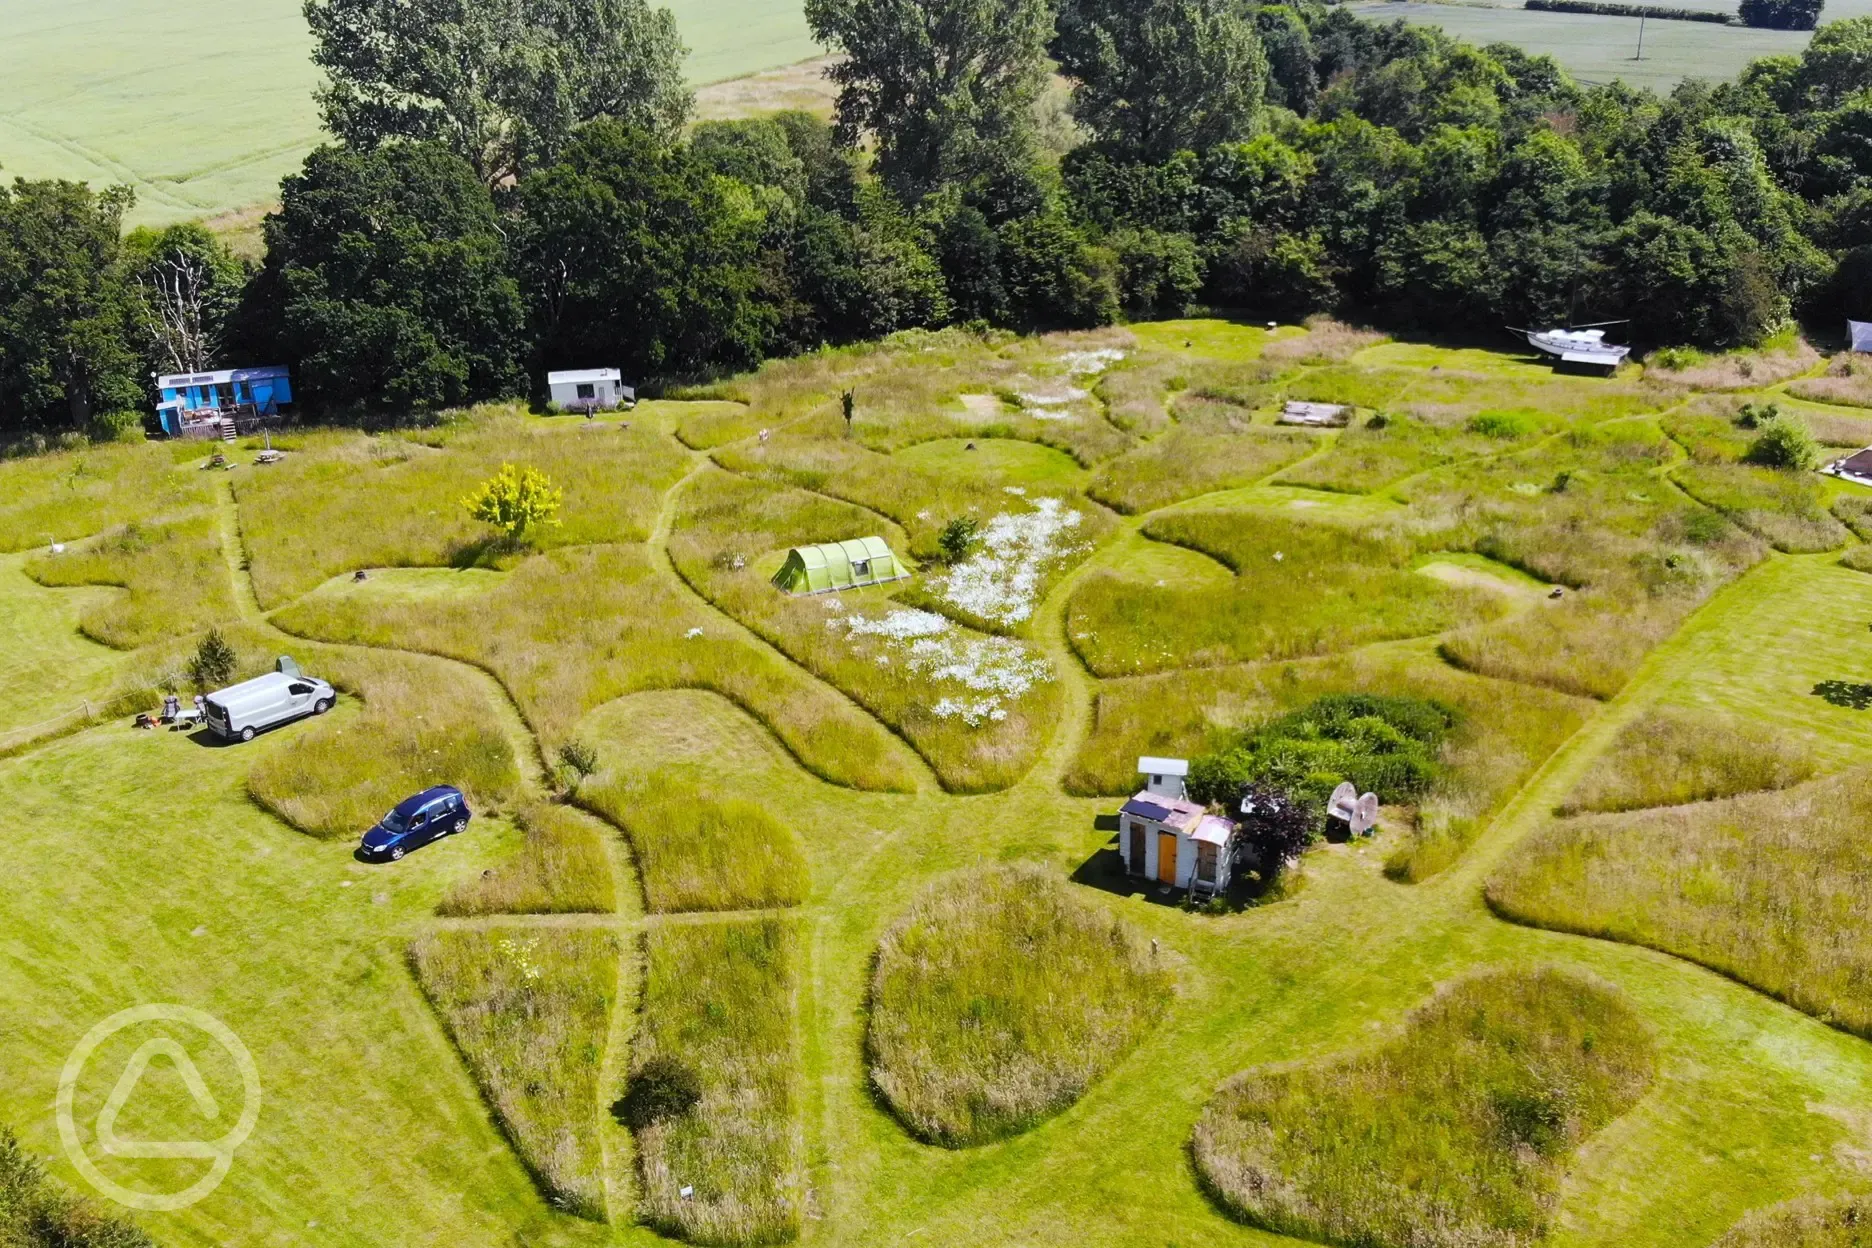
{"x":1156,"y":779}
{"x":587,"y":391}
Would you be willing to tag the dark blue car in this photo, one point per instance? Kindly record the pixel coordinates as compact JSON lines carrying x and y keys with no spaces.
{"x":429,"y":816}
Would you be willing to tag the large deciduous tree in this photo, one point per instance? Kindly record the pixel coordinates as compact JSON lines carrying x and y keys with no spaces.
{"x":387,"y":278}
{"x":64,"y":356}
{"x":946,"y":87}
{"x":634,"y":250}
{"x":501,"y":83}
{"x":1155,"y":77}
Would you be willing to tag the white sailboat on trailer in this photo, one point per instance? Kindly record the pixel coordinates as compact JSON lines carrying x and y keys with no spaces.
{"x":1580,"y":344}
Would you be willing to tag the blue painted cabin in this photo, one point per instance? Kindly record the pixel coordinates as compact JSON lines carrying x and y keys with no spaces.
{"x":188,"y":398}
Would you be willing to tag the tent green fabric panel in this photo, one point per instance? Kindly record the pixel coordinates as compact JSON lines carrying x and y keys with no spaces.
{"x":850,"y":564}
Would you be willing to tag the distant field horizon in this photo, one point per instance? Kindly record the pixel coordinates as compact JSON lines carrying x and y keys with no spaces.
{"x":206,"y":124}
{"x":204,"y":105}
{"x":1599,"y":49}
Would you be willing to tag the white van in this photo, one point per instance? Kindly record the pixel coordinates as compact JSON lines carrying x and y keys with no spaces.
{"x":240,"y":711}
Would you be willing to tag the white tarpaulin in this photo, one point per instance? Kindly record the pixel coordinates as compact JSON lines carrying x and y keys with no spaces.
{"x":1861,"y":334}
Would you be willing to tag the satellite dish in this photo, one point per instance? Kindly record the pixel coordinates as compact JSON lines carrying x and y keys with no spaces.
{"x":1365,"y":814}
{"x":1344,"y":802}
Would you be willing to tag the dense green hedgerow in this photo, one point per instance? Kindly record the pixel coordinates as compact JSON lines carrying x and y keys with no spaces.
{"x":1603,"y":8}
{"x":1453,"y":1134}
{"x":35,"y":1213}
{"x":998,"y":1000}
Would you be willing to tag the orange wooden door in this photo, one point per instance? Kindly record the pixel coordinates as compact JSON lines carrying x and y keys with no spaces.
{"x":1166,"y":857}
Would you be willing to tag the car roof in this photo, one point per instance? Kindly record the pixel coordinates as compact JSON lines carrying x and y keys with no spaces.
{"x":410,"y":805}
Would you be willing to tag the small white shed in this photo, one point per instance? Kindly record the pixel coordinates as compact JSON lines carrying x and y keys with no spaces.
{"x":1165,"y":777}
{"x":1164,"y":836}
{"x":589,"y":390}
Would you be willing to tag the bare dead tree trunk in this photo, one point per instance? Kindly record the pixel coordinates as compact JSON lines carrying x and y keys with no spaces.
{"x":174,"y":307}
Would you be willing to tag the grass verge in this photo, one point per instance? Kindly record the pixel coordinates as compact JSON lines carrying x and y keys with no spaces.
{"x":697,"y":853}
{"x":1808,"y":1223}
{"x":175,"y":575}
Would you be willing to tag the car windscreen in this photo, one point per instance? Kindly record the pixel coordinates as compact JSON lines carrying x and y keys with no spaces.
{"x":394,"y":822}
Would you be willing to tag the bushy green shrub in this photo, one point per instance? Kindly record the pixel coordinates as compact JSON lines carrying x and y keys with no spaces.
{"x":214,"y":662}
{"x":34,"y":1213}
{"x":1382,"y":744}
{"x":1786,"y":445}
{"x":1780,"y":14}
{"x":1503,"y":425}
{"x":663,"y":1088}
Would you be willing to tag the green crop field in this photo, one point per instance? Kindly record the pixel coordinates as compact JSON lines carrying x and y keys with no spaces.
{"x":799,"y":918}
{"x":1597,"y":49}
{"x":204,"y":105}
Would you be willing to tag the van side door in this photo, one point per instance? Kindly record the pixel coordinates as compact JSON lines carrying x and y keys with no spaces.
{"x":298,"y":697}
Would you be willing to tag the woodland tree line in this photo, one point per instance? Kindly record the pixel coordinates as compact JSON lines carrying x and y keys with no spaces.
{"x":518,"y":186}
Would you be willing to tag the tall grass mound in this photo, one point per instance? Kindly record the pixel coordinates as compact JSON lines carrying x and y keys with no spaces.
{"x":1847,"y":382}
{"x":999,"y":998}
{"x":1300,"y":589}
{"x":560,"y":868}
{"x":176,"y":578}
{"x":300,"y":518}
{"x":530,"y":1010}
{"x":81,"y":493}
{"x":697,"y":853}
{"x":1453,"y":1134}
{"x":978,"y":708}
{"x":1386,"y":744}
{"x":1212,"y":447}
{"x":1810,"y":1222}
{"x":719,"y":1006}
{"x":575,"y":629}
{"x":36,"y":1213}
{"x":1764,"y":888}
{"x":1670,"y":757}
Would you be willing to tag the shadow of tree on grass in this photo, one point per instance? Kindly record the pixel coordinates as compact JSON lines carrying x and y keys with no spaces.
{"x":1853,"y":695}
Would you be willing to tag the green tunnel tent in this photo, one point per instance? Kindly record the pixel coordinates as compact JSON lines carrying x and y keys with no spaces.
{"x":839,"y":565}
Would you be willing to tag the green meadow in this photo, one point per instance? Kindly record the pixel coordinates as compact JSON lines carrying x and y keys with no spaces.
{"x":145,"y":93}
{"x":825,"y":939}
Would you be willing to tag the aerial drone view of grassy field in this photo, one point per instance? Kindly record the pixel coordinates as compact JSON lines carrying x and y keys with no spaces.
{"x":820,"y":934}
{"x":964,"y":630}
